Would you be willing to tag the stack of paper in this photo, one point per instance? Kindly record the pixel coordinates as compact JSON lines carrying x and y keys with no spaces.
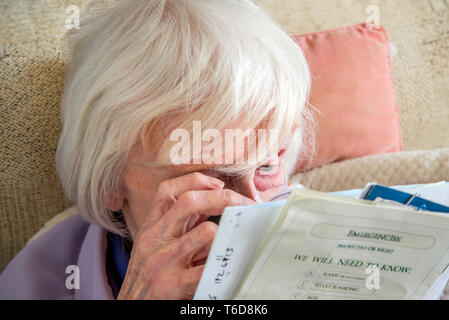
{"x":329,"y":246}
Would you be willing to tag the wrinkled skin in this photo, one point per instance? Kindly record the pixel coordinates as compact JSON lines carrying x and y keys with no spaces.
{"x":166,"y":211}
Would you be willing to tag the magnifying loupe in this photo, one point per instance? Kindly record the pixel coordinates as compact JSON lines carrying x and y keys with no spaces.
{"x":275,"y":193}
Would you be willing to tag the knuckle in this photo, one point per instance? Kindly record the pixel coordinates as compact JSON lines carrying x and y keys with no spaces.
{"x":198,"y":177}
{"x":181,"y":249}
{"x":229,"y":196}
{"x":189,"y":197}
{"x":164,"y":188}
{"x":208,"y":229}
{"x":164,"y":199}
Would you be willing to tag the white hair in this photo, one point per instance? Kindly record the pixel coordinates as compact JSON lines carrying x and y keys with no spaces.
{"x":141,"y":61}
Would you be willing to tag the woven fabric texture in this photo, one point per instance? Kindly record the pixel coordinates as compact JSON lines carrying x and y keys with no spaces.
{"x":24,"y":208}
{"x":32,"y":62}
{"x":408,"y":167}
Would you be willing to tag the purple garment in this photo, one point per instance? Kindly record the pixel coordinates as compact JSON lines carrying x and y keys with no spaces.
{"x":39,"y":270}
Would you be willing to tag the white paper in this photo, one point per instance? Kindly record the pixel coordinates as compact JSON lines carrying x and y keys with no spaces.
{"x":243,"y":229}
{"x":322,"y":245}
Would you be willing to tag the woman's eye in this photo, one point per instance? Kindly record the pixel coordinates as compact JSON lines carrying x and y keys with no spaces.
{"x":266,"y":169}
{"x":268,"y":175}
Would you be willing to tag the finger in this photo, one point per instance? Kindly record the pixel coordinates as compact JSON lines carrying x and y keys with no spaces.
{"x":198,"y":243}
{"x":193,"y":207}
{"x":199,"y":262}
{"x":192,"y":246}
{"x":170,"y":190}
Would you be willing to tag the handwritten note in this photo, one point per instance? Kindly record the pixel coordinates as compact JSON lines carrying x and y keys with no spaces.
{"x":237,"y":239}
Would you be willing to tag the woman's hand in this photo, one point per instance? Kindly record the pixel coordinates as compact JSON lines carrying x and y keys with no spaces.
{"x":171,"y":248}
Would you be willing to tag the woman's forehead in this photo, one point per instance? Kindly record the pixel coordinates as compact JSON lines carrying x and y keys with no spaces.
{"x":181,"y":147}
{"x":212,"y":169}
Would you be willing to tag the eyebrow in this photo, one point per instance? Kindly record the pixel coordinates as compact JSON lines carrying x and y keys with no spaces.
{"x":230,"y":170}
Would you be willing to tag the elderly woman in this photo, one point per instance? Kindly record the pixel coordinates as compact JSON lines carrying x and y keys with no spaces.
{"x":156,"y":95}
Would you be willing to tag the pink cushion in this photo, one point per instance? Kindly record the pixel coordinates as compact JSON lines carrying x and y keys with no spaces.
{"x":352,"y":87}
